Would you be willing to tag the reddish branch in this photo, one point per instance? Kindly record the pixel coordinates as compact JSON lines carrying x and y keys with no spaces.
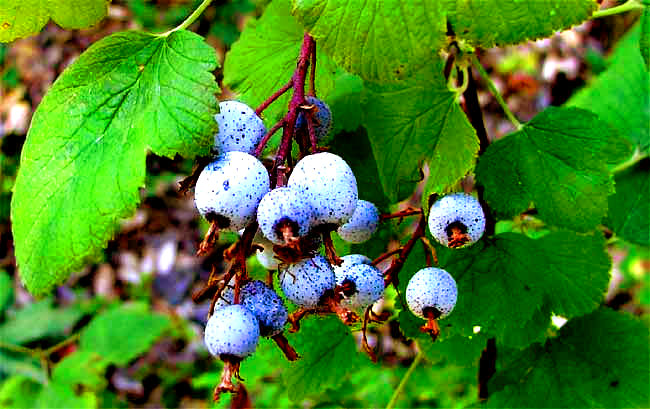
{"x":400,"y":214}
{"x":391,"y":275}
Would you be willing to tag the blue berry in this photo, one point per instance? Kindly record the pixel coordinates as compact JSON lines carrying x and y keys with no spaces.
{"x":240,"y":129}
{"x":352,"y":259}
{"x":431,"y":288}
{"x":284,"y":207}
{"x":457,"y":220}
{"x":330,"y":186}
{"x":267,"y":307}
{"x":322,"y":118}
{"x":232,"y":330}
{"x":362,"y":225}
{"x":368,"y":284}
{"x":229,"y":190}
{"x":306,"y":281}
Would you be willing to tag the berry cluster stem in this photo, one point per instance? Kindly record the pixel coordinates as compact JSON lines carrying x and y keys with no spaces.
{"x":391,"y":275}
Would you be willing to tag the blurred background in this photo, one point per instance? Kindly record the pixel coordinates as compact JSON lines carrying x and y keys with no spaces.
{"x":149,"y":270}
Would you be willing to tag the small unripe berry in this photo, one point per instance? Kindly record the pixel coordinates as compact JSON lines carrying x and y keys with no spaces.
{"x":322,"y":118}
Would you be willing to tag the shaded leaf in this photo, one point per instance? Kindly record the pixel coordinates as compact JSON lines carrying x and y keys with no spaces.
{"x":629,"y":207}
{"x":84,"y":157}
{"x":417,"y":121}
{"x":621,"y":95}
{"x":599,"y":360}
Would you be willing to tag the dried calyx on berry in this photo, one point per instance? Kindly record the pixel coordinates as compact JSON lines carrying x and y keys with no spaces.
{"x":361,"y":283}
{"x":457,"y":220}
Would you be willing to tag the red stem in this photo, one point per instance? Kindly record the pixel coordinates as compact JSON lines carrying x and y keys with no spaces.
{"x":391,"y":275}
{"x":400,"y":214}
{"x":265,"y":139}
{"x":312,"y":73}
{"x":277,"y":94}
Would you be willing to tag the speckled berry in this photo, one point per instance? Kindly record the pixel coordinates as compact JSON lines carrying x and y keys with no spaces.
{"x":267,"y":307}
{"x":232,"y":330}
{"x":328,"y":182}
{"x":367,"y":283}
{"x":230,"y":188}
{"x":284,"y":207}
{"x":240,"y":129}
{"x":351,"y":259}
{"x":362,"y":225}
{"x":431,"y":289}
{"x":322,"y":118}
{"x":306,"y":281}
{"x":457,"y":220}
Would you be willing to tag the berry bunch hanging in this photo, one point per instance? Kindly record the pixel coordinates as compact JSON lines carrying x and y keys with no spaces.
{"x":287,"y":213}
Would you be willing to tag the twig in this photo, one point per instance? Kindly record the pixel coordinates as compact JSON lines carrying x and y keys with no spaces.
{"x":400,"y":214}
{"x":405,"y":379}
{"x":260,"y":146}
{"x":391,"y":275}
{"x":277,"y":94}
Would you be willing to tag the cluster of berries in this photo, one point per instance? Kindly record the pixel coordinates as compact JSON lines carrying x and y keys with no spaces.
{"x":320,"y":196}
{"x":455,"y":221}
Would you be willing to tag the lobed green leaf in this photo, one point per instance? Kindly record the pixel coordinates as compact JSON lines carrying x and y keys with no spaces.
{"x":27,"y":17}
{"x":598,"y":360}
{"x":382,"y":40}
{"x":559,"y":162}
{"x":84,"y":158}
{"x":418,"y":121}
{"x":489,"y":23}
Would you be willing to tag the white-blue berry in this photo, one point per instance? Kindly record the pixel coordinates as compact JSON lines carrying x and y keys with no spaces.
{"x":267,"y":307}
{"x":368,"y":283}
{"x":240,"y":129}
{"x":284,"y":207}
{"x":230,"y":188}
{"x":322,"y":118}
{"x":232,"y":330}
{"x":431,"y":289}
{"x":330,"y":186}
{"x":362,"y":225}
{"x":352,"y":259}
{"x":457,"y":220}
{"x":306,"y":281}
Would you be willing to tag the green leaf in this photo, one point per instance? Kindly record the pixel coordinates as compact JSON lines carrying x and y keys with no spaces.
{"x":6,"y":290}
{"x":621,"y":95}
{"x":509,"y":280}
{"x":56,"y":395}
{"x":18,"y":392}
{"x":558,"y":161}
{"x":39,"y":320}
{"x":122,"y":333}
{"x":84,"y":157}
{"x":416,"y":121}
{"x":328,"y":353}
{"x":599,"y":360}
{"x":644,"y":39}
{"x":457,"y":349}
{"x":629,"y":207}
{"x":379,"y":40}
{"x":355,"y":148}
{"x":23,"y":365}
{"x":264,"y":59}
{"x":81,"y":368}
{"x":27,"y":17}
{"x":489,"y":23}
